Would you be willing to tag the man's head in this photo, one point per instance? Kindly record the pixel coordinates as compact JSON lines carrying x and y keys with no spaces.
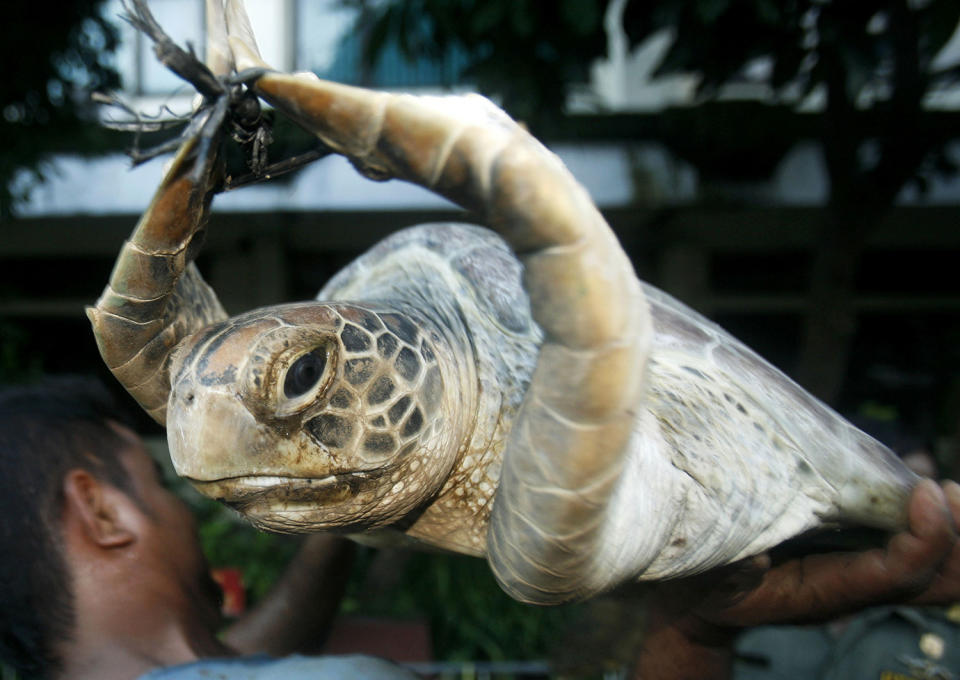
{"x":64,"y":457}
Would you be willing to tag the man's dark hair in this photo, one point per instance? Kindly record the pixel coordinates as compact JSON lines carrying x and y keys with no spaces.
{"x":46,"y":430}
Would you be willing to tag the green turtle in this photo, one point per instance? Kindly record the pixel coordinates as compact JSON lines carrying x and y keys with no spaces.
{"x":514,"y":392}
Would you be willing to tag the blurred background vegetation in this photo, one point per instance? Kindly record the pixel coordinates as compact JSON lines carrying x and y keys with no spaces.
{"x":854,"y":293}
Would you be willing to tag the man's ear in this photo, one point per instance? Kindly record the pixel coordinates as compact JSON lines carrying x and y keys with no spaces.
{"x":101,"y":509}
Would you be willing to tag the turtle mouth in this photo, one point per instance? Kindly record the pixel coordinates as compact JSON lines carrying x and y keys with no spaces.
{"x":251,"y":492}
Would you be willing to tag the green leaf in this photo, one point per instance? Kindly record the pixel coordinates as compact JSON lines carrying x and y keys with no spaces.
{"x":376,"y":39}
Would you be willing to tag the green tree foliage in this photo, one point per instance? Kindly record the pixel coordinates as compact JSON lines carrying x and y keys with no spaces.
{"x":55,"y":55}
{"x":873,"y":64}
{"x":525,"y":52}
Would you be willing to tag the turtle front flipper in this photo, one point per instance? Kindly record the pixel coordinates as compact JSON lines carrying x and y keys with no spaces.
{"x":156,"y":296}
{"x":566,"y":450}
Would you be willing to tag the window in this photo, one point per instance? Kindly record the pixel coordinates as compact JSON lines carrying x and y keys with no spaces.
{"x":142,"y":74}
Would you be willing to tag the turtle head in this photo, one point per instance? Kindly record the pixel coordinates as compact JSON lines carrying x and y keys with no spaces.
{"x":312,"y":416}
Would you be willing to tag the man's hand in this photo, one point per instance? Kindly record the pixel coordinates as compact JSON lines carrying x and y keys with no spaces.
{"x":693,"y":622}
{"x":918,"y":566}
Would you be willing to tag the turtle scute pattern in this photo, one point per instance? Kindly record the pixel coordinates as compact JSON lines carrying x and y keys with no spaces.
{"x":391,"y":388}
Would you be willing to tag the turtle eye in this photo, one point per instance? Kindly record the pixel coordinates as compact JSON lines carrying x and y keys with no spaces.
{"x":304,"y":373}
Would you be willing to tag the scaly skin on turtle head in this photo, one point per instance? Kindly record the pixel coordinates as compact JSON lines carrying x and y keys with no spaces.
{"x":348,"y":399}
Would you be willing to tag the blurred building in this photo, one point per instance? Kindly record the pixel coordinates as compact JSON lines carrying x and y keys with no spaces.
{"x":734,"y":245}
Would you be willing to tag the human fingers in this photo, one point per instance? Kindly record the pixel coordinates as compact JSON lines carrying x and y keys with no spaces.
{"x":945,"y":587}
{"x":914,"y":557}
{"x":817,"y":587}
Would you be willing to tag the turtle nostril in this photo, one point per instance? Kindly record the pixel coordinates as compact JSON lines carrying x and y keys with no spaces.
{"x":188,"y":398}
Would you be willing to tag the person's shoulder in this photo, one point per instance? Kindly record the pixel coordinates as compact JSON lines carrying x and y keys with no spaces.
{"x":292,"y":668}
{"x":349,"y":666}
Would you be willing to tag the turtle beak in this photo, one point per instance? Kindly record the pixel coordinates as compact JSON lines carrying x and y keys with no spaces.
{"x":213,"y":436}
{"x":209,"y":436}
